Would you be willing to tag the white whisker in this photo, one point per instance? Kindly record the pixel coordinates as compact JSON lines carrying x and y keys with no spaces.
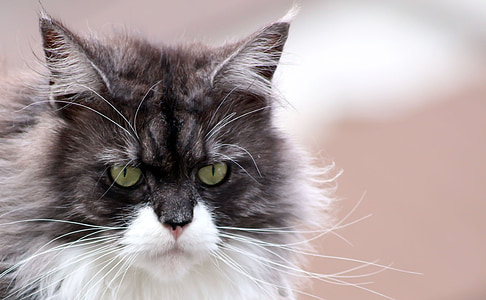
{"x":264,"y":244}
{"x":219,"y":124}
{"x":291,"y":269}
{"x":105,"y":264}
{"x":235,"y":266}
{"x":240,"y":166}
{"x":113,"y":107}
{"x":249,"y":154}
{"x":220,"y":104}
{"x":209,"y":136}
{"x":128,"y":262}
{"x":86,"y":107}
{"x":113,"y":183}
{"x":280,"y":268}
{"x":66,"y":222}
{"x":58,"y":250}
{"x":140,"y":106}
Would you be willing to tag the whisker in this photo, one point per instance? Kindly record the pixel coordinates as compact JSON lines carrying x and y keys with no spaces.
{"x":97,"y":252}
{"x":249,"y":154}
{"x":240,"y":166}
{"x":102,"y":174}
{"x":299,"y":271}
{"x":274,"y":265}
{"x":96,"y":249}
{"x":106,"y":264}
{"x":350,"y":270}
{"x":126,"y":267}
{"x":64,"y":221}
{"x":140,"y":106}
{"x":235,"y":266}
{"x":319,"y":234}
{"x":216,"y":127}
{"x":361,"y":287}
{"x":237,"y":118}
{"x":113,"y":183}
{"x":83,"y":106}
{"x":256,"y":280}
{"x":331,"y":278}
{"x":112,"y":106}
{"x":221,"y":104}
{"x":94,"y":240}
{"x":11,"y":211}
{"x":84,"y":239}
{"x":271,"y":231}
{"x":269,"y":262}
{"x":265,"y":244}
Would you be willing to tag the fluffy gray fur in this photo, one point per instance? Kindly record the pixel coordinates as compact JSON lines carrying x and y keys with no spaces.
{"x":168,"y":110}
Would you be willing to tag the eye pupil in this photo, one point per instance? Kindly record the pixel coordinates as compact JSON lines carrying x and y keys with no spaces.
{"x":213,"y":174}
{"x":125,"y":176}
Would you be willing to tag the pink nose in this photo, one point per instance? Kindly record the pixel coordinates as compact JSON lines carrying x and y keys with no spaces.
{"x":175,"y":229}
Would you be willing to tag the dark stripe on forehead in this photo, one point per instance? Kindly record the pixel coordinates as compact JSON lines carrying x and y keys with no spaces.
{"x":173,"y":128}
{"x":154,"y":149}
{"x":190,"y":146}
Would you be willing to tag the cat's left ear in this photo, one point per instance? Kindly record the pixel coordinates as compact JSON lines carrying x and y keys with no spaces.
{"x":72,"y":72}
{"x":251,"y":65}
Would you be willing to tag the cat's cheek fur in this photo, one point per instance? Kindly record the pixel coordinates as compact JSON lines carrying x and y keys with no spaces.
{"x":155,"y":250}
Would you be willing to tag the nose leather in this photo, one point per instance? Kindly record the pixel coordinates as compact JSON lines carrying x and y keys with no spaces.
{"x":174,"y":205}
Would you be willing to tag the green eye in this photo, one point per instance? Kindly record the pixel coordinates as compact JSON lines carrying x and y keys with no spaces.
{"x":213,"y":174}
{"x":125,"y":176}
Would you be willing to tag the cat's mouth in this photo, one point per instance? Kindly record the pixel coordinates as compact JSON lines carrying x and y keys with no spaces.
{"x":172,"y":251}
{"x":176,"y":251}
{"x":169,"y":251}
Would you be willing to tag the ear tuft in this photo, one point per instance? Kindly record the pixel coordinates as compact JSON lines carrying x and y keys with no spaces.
{"x":71,"y":70}
{"x":291,"y":14}
{"x":252,"y":65}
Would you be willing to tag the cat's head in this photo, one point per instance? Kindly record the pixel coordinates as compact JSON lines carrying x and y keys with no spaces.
{"x":170,"y":152}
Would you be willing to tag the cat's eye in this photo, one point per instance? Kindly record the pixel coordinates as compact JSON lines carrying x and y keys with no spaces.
{"x":125,"y":176}
{"x":213,"y":174}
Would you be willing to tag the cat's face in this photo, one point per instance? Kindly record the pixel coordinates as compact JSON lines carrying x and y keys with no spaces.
{"x":171,"y":146}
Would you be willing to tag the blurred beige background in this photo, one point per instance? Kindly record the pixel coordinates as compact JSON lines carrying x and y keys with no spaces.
{"x":393,"y":91}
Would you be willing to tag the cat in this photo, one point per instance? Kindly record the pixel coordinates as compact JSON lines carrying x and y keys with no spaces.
{"x":131,"y":170}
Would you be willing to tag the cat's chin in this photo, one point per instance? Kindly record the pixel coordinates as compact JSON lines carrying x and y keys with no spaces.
{"x":173,"y":265}
{"x":155,"y":250}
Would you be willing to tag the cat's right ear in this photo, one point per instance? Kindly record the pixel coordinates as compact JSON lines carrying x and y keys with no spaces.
{"x":71,"y":71}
